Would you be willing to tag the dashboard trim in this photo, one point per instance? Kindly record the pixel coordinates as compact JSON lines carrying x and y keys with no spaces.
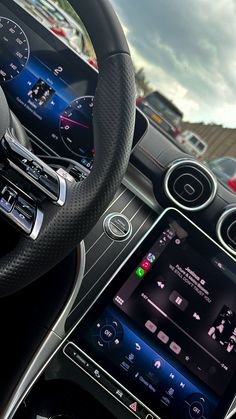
{"x":112,"y":378}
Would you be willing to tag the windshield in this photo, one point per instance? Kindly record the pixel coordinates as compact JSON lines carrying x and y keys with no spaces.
{"x":184,"y":55}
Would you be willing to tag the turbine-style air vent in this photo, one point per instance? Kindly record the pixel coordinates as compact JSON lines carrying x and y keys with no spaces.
{"x":226,"y":229}
{"x":190,"y":185}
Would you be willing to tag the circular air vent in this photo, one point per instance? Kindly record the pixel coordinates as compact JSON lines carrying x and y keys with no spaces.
{"x":226,"y":230}
{"x":190,"y":185}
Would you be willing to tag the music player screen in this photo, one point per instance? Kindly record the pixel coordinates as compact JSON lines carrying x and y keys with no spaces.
{"x":168,"y":334}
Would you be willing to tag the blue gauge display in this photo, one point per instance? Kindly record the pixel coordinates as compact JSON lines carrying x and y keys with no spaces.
{"x":76,"y":127}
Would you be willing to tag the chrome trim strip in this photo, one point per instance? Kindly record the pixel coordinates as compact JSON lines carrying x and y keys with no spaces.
{"x":62,"y":191}
{"x":37,"y":224}
{"x":41,"y":359}
{"x":59,"y":326}
{"x":112,"y":378}
{"x":222,"y":218}
{"x":232,"y":412}
{"x":94,"y":243}
{"x":117,"y":198}
{"x":51,"y":344}
{"x":212,"y":180}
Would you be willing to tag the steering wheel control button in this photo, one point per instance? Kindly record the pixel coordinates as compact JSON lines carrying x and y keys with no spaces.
{"x":21,"y":220}
{"x":7,"y":199}
{"x":35,"y":170}
{"x":190,"y":185}
{"x":26,"y":209}
{"x":117,"y":226}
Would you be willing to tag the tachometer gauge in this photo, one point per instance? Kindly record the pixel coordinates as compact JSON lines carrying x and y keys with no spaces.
{"x":14,"y":49}
{"x":76,"y":127}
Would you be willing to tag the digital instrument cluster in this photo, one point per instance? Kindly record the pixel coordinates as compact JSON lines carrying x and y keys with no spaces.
{"x":49,"y":87}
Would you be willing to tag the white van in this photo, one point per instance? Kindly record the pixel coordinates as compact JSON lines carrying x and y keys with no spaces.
{"x":192,"y":143}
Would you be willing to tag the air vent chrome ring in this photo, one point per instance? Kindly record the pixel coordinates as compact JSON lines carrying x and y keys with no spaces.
{"x":219,"y":226}
{"x":202,"y":182}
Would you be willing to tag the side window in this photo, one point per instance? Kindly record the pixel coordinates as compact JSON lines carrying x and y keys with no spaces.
{"x":201,"y":146}
{"x":193,"y":140}
{"x":228,"y":167}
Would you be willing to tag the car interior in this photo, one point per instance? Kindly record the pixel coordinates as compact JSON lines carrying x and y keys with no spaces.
{"x":117,"y":263}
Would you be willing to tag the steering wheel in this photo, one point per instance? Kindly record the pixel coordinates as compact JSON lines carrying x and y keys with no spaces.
{"x":65,"y":225}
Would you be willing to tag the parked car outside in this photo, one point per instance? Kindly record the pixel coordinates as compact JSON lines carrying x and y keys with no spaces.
{"x":192,"y":143}
{"x":161,"y":112}
{"x":59,"y":22}
{"x":224,"y":168}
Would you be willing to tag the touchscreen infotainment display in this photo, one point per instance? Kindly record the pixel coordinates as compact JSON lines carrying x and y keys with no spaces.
{"x":165,"y":327}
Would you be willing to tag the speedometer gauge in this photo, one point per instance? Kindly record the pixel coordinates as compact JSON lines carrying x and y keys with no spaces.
{"x":14,"y":49}
{"x":76,"y":128}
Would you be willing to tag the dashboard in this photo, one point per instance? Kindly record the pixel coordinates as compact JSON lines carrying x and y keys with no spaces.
{"x":161,"y":337}
{"x":54,"y":101}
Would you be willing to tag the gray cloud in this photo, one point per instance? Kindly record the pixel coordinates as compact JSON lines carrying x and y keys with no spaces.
{"x":192,"y":41}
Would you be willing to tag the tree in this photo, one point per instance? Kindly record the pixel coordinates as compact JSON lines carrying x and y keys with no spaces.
{"x":142,"y":83}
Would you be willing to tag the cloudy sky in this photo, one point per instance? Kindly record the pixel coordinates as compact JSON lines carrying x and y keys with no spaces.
{"x":188,"y":51}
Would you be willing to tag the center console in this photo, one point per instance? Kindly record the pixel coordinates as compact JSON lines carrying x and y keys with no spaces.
{"x":161,"y":337}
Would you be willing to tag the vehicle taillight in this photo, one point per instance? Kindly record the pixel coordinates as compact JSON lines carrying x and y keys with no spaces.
{"x":139,"y":100}
{"x":93,"y":63}
{"x":232,"y":183}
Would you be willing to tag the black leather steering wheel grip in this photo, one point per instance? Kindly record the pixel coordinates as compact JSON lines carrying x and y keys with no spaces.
{"x":114,"y":117}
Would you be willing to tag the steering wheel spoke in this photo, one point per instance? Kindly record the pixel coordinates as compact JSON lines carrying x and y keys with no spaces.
{"x":19,"y":208}
{"x":34,"y":170}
